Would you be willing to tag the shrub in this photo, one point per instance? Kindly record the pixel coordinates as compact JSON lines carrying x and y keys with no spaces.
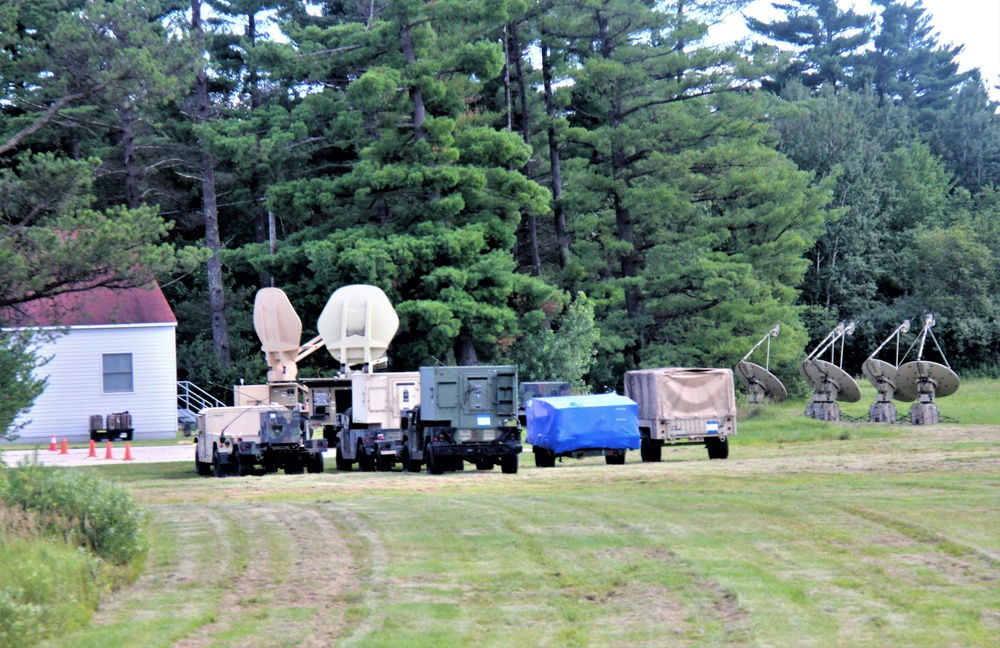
{"x":79,"y":507}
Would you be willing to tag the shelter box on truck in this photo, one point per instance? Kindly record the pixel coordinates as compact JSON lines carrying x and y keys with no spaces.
{"x":582,"y":426}
{"x":680,"y":406}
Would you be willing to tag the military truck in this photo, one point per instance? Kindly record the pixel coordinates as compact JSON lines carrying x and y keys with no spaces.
{"x":679,"y":406}
{"x":370,"y":431}
{"x":528,"y":390}
{"x":465,"y":414}
{"x":255,"y":439}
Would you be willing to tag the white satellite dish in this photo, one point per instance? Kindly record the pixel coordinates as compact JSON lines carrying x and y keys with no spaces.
{"x":759,"y":382}
{"x":357,"y":325}
{"x":280,"y":331}
{"x":923,"y":381}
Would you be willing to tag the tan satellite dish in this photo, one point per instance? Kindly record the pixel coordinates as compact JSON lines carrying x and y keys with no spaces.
{"x":930,"y":377}
{"x":827,"y":377}
{"x":357,"y":325}
{"x":880,"y":373}
{"x":760,"y":383}
{"x":280,"y":331}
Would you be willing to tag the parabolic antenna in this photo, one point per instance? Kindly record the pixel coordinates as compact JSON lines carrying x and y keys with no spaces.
{"x":921,"y":374}
{"x":881,"y":374}
{"x":829,"y":379}
{"x":357,"y":325}
{"x":280,"y":331}
{"x":922,"y":381}
{"x":760,"y":383}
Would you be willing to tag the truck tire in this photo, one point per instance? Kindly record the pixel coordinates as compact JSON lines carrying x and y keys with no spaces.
{"x":294,"y":466}
{"x":717,"y":448}
{"x":508,"y":464}
{"x":544,"y":458}
{"x":218,"y":470}
{"x":366,"y":463}
{"x":614,"y":460}
{"x":342,"y":463}
{"x":650,"y":450}
{"x":315,"y":464}
{"x":202,"y":468}
{"x":433,"y":463}
{"x":409,"y":465}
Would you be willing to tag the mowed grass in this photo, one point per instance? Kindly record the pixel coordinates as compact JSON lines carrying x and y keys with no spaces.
{"x":841,"y":535}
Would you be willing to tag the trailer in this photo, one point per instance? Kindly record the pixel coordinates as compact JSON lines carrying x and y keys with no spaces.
{"x":465,"y":414}
{"x":681,"y":406}
{"x":593,"y":425}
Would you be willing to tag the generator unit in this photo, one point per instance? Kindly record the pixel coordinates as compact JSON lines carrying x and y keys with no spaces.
{"x":465,"y":414}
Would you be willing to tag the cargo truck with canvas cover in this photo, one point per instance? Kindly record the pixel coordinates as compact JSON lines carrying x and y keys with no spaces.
{"x":591,"y":425}
{"x":680,"y":406}
{"x":465,"y":414}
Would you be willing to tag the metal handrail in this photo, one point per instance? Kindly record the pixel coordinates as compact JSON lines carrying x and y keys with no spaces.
{"x":193,"y":398}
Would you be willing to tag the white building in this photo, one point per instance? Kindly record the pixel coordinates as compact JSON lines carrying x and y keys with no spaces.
{"x":114,"y":351}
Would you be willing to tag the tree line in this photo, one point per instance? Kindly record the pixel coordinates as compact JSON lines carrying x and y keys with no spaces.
{"x":578,"y":186}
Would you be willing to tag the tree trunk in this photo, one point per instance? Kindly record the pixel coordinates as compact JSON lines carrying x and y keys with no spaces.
{"x":133,"y":195}
{"x":515,"y":48}
{"x":416,"y":96}
{"x":216,"y":294}
{"x":555,"y":162}
{"x":465,"y":352}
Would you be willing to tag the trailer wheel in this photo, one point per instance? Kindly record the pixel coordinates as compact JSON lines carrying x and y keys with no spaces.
{"x":294,"y":467}
{"x":615,"y":460}
{"x":508,"y":464}
{"x":315,"y":464}
{"x":544,"y":457}
{"x":409,"y":465}
{"x":434,"y":466}
{"x":717,"y":448}
{"x":650,"y":450}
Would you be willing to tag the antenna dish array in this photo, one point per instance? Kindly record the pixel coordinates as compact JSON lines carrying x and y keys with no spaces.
{"x":759,"y":382}
{"x":830,"y":382}
{"x":922,"y":381}
{"x":884,"y":377}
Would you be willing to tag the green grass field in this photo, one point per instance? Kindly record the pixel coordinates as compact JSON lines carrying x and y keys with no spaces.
{"x":810,"y":534}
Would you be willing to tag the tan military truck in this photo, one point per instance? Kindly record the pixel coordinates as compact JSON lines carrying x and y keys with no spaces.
{"x":679,"y":406}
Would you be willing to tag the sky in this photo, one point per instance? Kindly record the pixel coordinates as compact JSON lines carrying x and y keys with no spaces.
{"x":973,"y":23}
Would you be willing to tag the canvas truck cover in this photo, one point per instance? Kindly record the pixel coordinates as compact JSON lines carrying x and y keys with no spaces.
{"x":679,"y":394}
{"x":567,"y":423}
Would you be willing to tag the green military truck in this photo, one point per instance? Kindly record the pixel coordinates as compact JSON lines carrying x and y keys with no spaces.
{"x":465,"y":414}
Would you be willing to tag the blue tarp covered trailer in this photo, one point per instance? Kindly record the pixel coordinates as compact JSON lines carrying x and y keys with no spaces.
{"x":564,"y":424}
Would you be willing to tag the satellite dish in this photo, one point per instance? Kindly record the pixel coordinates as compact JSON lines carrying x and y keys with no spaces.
{"x":357,"y":325}
{"x":922,"y":381}
{"x":830,"y":382}
{"x":884,"y":376}
{"x":829,"y":379}
{"x":280,"y":331}
{"x":759,"y":382}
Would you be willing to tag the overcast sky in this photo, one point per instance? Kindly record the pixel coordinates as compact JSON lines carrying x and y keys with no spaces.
{"x":973,"y":23}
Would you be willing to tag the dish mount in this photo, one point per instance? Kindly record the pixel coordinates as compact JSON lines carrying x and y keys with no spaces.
{"x":759,"y":382}
{"x":830,"y":382}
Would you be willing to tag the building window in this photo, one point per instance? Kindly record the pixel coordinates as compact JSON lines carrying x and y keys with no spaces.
{"x":117,"y":372}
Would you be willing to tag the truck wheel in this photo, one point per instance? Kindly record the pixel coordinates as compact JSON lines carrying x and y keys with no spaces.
{"x":409,"y":465}
{"x":433,"y":464}
{"x":342,"y":463}
{"x":650,"y":450}
{"x":614,"y":460}
{"x":202,"y":468}
{"x":217,"y":468}
{"x":315,"y":464}
{"x":365,"y":462}
{"x":717,"y":448}
{"x":294,"y":467}
{"x":508,"y":464}
{"x":383,"y":463}
{"x":242,"y":467}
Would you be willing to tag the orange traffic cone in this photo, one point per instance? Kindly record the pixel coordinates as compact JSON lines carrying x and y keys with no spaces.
{"x":93,"y":450}
{"x":128,"y":451}
{"x":52,"y":444}
{"x":107,"y":452}
{"x":64,"y":449}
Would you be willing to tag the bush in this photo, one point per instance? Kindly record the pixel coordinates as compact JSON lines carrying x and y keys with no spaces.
{"x":80,"y":507}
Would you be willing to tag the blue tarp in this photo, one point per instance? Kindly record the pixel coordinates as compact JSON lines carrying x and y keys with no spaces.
{"x":566,"y":423}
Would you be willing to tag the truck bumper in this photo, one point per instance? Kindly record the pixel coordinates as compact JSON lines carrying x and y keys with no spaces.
{"x":468,"y":450}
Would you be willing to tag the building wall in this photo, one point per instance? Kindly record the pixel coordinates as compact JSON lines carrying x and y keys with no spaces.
{"x":75,"y":383}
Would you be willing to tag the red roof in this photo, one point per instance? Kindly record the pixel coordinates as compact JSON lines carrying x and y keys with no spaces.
{"x":95,"y":307}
